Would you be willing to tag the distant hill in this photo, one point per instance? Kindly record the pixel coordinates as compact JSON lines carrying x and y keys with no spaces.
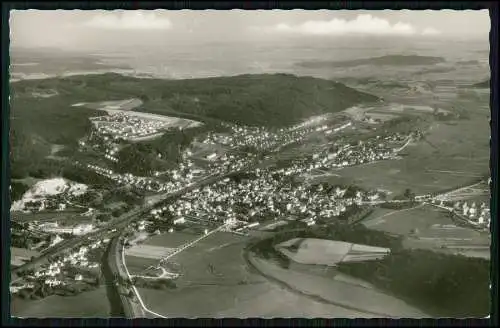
{"x":54,"y":61}
{"x":265,"y":100}
{"x":468,"y":62}
{"x":480,"y":85}
{"x":392,"y":60}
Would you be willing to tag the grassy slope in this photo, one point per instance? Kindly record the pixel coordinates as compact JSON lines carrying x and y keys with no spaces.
{"x":88,"y":304}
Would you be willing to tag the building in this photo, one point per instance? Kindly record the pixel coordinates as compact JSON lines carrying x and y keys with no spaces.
{"x":82,"y":229}
{"x":180,"y":220}
{"x":211,"y":157}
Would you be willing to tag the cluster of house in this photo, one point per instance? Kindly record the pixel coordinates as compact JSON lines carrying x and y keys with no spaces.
{"x":53,"y":274}
{"x":109,"y":147}
{"x":344,"y":155}
{"x":123,"y":126}
{"x":263,"y":139}
{"x":54,"y":203}
{"x":265,"y":196}
{"x":183,"y":175}
{"x":476,"y":214}
{"x":143,"y":183}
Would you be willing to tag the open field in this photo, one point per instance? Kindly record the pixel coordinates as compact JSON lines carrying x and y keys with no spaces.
{"x":171,"y":121}
{"x":19,"y":255}
{"x":328,"y":252}
{"x":413,"y":169}
{"x":328,"y":272}
{"x":200,"y":150}
{"x":170,"y":240}
{"x":137,"y":265}
{"x":148,"y":251}
{"x":46,"y":216}
{"x":427,"y":221}
{"x":138,"y":258}
{"x":263,"y":300}
{"x":430,"y":228}
{"x":374,"y":303}
{"x":218,"y":292}
{"x":215,"y":259}
{"x":93,"y":304}
{"x":452,"y":153}
{"x":215,"y":282}
{"x":124,"y":105}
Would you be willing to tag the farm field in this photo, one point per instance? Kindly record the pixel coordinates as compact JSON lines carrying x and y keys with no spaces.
{"x":93,"y":304}
{"x":214,"y":260}
{"x":170,"y":240}
{"x":19,"y":255}
{"x":219,"y":293}
{"x":432,"y":229}
{"x":148,"y":251}
{"x":216,"y":282}
{"x":263,"y":300}
{"x":137,"y":265}
{"x":449,"y":156}
{"x":426,"y":220}
{"x":45,"y":216}
{"x":372,"y":302}
{"x":328,"y":272}
{"x":193,"y":262}
{"x":125,"y":104}
{"x":328,"y":252}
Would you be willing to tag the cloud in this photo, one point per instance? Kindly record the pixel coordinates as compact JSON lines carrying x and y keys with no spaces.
{"x":430,"y":31}
{"x":362,"y":24}
{"x":130,"y":20}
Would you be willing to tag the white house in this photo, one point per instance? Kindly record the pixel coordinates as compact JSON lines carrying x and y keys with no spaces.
{"x":180,"y":220}
{"x":82,"y":229}
{"x":211,"y":156}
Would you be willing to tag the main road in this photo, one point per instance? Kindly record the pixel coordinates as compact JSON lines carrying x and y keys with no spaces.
{"x":130,"y":310}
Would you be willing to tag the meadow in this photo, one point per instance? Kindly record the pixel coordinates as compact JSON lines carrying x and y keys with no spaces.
{"x":450,"y":156}
{"x":216,"y":282}
{"x":369,"y":302}
{"x":91,"y":304}
{"x":428,"y":228}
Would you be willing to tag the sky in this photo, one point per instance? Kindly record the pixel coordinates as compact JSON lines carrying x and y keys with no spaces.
{"x":98,"y":29}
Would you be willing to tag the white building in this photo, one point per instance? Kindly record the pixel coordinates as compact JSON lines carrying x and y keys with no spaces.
{"x":82,"y":229}
{"x":180,"y":220}
{"x":211,"y":156}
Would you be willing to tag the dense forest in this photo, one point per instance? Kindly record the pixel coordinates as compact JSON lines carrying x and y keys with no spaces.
{"x":162,"y":153}
{"x":443,"y":285}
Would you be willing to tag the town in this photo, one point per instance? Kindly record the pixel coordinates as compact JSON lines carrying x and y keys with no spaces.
{"x":268,"y":195}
